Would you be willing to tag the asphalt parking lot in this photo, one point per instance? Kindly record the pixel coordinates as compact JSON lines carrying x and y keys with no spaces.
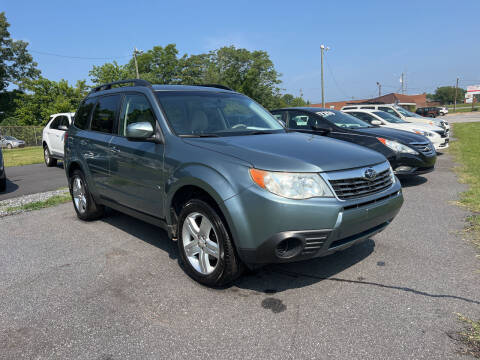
{"x":112,"y":289}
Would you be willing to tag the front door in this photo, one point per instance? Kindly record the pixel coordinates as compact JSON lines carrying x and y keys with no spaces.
{"x":137,"y":175}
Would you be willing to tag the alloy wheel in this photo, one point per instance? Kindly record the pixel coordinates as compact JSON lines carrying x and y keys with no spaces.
{"x":200,"y":243}
{"x":79,"y":196}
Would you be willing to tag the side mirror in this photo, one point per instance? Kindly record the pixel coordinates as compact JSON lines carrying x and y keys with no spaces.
{"x":140,"y":131}
{"x":63,"y":128}
{"x":376,"y":122}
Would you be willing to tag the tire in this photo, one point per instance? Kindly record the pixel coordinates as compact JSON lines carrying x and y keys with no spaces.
{"x":47,"y":157}
{"x":198,"y":242}
{"x":83,"y":203}
{"x":3,"y":184}
{"x":9,"y":146}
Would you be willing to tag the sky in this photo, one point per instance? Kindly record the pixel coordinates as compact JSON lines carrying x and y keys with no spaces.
{"x":431,"y":42}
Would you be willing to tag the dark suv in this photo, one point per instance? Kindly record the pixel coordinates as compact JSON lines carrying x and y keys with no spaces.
{"x":223,"y":177}
{"x":428,"y":112}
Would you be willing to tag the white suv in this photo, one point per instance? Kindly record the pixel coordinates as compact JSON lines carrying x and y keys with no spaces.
{"x":53,"y":137}
{"x":401,"y":113}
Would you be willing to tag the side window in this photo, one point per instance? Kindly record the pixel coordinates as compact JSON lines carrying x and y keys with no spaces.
{"x":368,"y":107}
{"x":82,"y":116}
{"x":388,"y":110}
{"x":103,"y":118}
{"x":301,"y":120}
{"x":55,"y":123}
{"x":278,"y":116}
{"x":136,"y":108}
{"x":64,"y":121}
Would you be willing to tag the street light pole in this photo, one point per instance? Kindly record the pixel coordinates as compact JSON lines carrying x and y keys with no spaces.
{"x":135,"y":52}
{"x":323,"y":48}
{"x":379,"y":89}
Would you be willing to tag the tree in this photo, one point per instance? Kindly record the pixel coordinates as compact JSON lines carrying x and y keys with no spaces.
{"x":45,"y":97}
{"x":446,"y":94}
{"x":110,"y":72}
{"x":16,"y":64}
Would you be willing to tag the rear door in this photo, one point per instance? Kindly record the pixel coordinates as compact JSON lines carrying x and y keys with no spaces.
{"x":95,"y":146}
{"x":137,"y":175}
{"x":54,"y":136}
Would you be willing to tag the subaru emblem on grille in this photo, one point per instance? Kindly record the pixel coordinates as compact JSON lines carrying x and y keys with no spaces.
{"x":370,"y":174}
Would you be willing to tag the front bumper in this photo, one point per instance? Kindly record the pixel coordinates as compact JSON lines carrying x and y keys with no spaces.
{"x":409,"y":165}
{"x":270,"y":229}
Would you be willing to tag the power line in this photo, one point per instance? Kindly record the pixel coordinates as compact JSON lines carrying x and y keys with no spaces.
{"x":78,"y":57}
{"x":335,"y":80}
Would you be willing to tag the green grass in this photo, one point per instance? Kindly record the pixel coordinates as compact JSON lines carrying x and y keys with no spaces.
{"x":466,"y":150}
{"x":24,"y":156}
{"x":470,"y":336}
{"x":463,"y":108}
{"x":53,"y":201}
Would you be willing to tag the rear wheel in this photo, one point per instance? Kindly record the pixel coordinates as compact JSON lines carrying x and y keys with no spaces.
{"x":83,"y":202}
{"x":49,"y":161}
{"x":9,"y":146}
{"x":205,"y":246}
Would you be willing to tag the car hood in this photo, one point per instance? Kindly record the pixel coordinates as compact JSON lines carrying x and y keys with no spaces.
{"x":418,"y":126}
{"x":392,"y":134}
{"x":296,"y":152}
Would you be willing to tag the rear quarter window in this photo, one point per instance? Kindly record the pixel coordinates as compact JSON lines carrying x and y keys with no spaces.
{"x":82,"y":116}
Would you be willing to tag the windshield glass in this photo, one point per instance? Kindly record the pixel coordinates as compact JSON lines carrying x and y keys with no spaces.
{"x":342,"y":119}
{"x":198,"y":113}
{"x":389,"y":117}
{"x":10,"y":138}
{"x":406,"y":112}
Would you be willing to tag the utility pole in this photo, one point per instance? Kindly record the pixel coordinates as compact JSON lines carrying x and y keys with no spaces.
{"x":403,"y":89}
{"x":379,"y":89}
{"x":322,"y":49}
{"x":455,"y":100}
{"x":135,"y":52}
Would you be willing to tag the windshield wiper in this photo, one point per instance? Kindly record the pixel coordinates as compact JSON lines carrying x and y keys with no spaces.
{"x":260,"y":132}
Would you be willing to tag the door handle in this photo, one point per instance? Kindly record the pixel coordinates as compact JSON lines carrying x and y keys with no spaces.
{"x":114,"y":149}
{"x":83,"y":142}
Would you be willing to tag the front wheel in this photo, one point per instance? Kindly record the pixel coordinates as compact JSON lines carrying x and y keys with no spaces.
{"x":49,"y":161}
{"x":205,"y":246}
{"x":85,"y":206}
{"x":9,"y":146}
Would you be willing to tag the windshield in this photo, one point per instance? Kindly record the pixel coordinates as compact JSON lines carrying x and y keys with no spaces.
{"x":198,"y":113}
{"x":406,"y":112}
{"x":10,"y":138}
{"x":342,"y":119}
{"x":389,"y":117}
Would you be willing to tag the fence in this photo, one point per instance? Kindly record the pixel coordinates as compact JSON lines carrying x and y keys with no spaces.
{"x":32,"y":135}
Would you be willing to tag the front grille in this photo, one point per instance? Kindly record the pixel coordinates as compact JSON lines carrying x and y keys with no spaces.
{"x":359,"y":187}
{"x":425,"y":148}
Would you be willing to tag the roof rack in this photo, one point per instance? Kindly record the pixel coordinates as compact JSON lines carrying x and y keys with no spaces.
{"x":135,"y":82}
{"x":218,"y":86}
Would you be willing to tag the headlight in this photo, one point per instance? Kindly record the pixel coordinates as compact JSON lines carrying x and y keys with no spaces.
{"x":291,"y":185}
{"x":392,"y":175}
{"x":397,"y":147}
{"x":424,"y":133}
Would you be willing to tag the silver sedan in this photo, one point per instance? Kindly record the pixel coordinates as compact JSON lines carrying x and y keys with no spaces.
{"x":10,"y":142}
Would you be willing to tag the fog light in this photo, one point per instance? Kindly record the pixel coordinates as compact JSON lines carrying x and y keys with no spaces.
{"x":289,"y":248}
{"x":403,"y":168}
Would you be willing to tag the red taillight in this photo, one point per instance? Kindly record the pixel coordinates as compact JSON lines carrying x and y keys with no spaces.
{"x":66,"y":137}
{"x":382,"y":140}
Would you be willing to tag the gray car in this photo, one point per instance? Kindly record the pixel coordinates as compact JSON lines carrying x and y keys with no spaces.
{"x":223,"y":177}
{"x":11,"y":142}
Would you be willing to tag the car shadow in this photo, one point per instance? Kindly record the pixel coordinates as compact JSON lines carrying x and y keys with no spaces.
{"x":412,"y":181}
{"x":268,"y":279}
{"x":151,"y":234}
{"x":280,"y":277}
{"x":11,"y":187}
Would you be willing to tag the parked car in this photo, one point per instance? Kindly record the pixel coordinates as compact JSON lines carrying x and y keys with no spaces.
{"x":428,"y":112}
{"x":401,"y":113}
{"x":53,"y":137}
{"x":11,"y":142}
{"x":408,"y":154}
{"x":224,"y":177}
{"x":443,"y":110}
{"x":3,"y":177}
{"x":438,"y":136}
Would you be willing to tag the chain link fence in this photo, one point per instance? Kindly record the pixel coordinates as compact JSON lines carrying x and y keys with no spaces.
{"x":32,"y":135}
